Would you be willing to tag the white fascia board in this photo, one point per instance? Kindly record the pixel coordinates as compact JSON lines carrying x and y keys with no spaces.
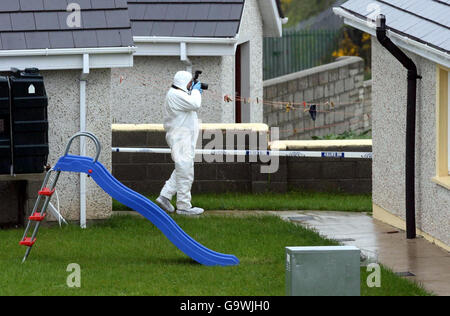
{"x":60,"y":59}
{"x":170,"y":46}
{"x":407,"y":43}
{"x":272,"y":22}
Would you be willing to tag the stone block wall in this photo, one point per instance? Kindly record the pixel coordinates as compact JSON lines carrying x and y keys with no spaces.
{"x":147,"y":173}
{"x":340,"y":82}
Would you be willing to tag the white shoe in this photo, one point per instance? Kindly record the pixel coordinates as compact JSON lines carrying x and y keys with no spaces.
{"x":192,"y":212}
{"x":165,"y":204}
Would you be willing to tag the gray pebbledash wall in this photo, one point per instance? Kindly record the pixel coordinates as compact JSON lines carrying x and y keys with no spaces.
{"x":63,"y":90}
{"x":389,"y":124}
{"x":138,"y":93}
{"x":147,"y":173}
{"x":340,"y":82}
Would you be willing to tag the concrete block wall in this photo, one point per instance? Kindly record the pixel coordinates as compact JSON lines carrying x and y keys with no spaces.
{"x":340,"y":82}
{"x":327,"y":174}
{"x":147,"y":173}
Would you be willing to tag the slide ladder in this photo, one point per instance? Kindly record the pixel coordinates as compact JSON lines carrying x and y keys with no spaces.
{"x":134,"y":200}
{"x":38,"y":215}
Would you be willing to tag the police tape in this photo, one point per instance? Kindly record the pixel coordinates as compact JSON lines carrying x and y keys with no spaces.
{"x":271,"y":153}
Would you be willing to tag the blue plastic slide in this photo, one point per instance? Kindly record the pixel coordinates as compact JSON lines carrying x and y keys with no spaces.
{"x":148,"y":209}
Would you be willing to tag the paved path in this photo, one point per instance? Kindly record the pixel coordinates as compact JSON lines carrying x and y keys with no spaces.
{"x":429,"y":264}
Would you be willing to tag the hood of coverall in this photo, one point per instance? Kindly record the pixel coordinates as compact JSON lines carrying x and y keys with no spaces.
{"x":182,"y":79}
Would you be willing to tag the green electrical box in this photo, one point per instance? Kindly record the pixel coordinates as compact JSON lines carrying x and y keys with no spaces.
{"x":323,"y":271}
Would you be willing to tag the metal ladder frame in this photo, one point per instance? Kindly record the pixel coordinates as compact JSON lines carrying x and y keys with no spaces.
{"x":48,"y":193}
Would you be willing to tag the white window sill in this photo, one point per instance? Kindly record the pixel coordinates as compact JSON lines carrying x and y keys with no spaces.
{"x":442,"y":181}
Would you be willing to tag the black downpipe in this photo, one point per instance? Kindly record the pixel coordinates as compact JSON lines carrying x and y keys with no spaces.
{"x":410,"y":124}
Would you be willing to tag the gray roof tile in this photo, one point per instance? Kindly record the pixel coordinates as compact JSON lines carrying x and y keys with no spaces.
{"x":46,"y":21}
{"x":5,"y":22}
{"x":162,"y":28}
{"x":84,"y":4}
{"x":13,"y":41}
{"x":85,"y":39}
{"x":141,"y":28}
{"x":31,"y":5}
{"x":118,"y":19}
{"x":224,"y":28}
{"x":38,"y":24}
{"x":121,"y":4}
{"x":61,"y":39}
{"x":155,"y":12}
{"x":23,"y":22}
{"x":103,"y":4}
{"x":37,"y":39}
{"x":194,"y":18}
{"x":425,"y":21}
{"x":205,"y":29}
{"x":219,"y":12}
{"x":183,"y":29}
{"x":176,"y":12}
{"x":126,"y":36}
{"x":93,"y":19}
{"x":198,"y":12}
{"x":109,"y":38}
{"x":137,"y":12}
{"x":55,"y":5}
{"x":9,"y":6}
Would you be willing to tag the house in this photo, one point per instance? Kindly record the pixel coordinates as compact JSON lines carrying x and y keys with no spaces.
{"x":421,"y":29}
{"x":74,"y":46}
{"x":221,"y":38}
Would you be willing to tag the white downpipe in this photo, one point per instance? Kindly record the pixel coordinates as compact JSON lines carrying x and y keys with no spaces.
{"x":184,"y":57}
{"x":83,"y":79}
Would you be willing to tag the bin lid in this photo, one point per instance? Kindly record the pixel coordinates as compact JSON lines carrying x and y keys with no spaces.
{"x":28,"y":72}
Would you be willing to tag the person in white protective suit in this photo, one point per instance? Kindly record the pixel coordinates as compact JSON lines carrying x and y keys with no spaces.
{"x":182,"y":129}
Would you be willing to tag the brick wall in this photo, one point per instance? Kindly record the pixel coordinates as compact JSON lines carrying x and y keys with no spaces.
{"x":147,"y":173}
{"x":340,"y":82}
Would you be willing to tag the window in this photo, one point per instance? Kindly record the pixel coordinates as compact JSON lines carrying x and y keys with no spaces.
{"x":443,"y":128}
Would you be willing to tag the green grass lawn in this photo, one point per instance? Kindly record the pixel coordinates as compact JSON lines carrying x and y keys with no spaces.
{"x":129,"y":256}
{"x":277,"y":201}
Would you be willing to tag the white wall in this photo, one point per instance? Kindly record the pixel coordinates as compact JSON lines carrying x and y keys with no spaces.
{"x":63,"y":90}
{"x":251,"y":31}
{"x":136,"y":103}
{"x":139,"y":99}
{"x":389,"y":90}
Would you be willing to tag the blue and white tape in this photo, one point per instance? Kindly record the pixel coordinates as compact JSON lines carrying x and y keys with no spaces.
{"x":276,"y":153}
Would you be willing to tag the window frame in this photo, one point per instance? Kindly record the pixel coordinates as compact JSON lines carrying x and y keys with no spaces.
{"x":443,"y":127}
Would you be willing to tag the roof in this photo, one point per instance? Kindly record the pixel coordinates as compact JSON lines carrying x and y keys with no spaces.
{"x":194,"y":18}
{"x":424,"y":21}
{"x":41,"y":24}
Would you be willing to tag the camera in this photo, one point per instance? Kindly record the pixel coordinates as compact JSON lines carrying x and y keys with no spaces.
{"x":195,"y":80}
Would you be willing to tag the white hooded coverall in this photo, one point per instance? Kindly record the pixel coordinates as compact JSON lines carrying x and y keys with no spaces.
{"x":182,"y":130}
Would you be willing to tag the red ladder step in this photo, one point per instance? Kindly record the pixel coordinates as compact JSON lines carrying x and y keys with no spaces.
{"x":27,"y":242}
{"x":46,"y":192}
{"x":37,"y":217}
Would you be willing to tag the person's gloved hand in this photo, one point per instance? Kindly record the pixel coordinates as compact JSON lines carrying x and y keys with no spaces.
{"x":198,"y":86}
